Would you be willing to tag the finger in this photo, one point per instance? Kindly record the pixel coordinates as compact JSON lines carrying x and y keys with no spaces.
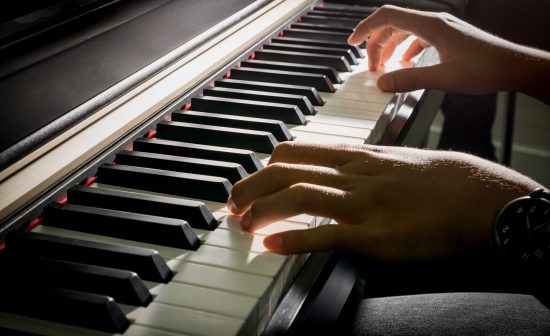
{"x":326,"y":155}
{"x":300,"y":198}
{"x":322,"y":238}
{"x":411,"y":79}
{"x":280,"y":176}
{"x":391,"y":45}
{"x":406,"y":20}
{"x":376,"y":44}
{"x":414,"y":49}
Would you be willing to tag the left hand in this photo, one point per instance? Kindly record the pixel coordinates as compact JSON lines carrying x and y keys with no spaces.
{"x":390,"y":203}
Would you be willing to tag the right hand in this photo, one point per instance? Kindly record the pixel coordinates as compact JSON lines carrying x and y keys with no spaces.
{"x":472,"y":61}
{"x":391,"y":203}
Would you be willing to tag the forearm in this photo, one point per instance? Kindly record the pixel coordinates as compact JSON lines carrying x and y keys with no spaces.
{"x":524,"y":22}
{"x":529,"y":73}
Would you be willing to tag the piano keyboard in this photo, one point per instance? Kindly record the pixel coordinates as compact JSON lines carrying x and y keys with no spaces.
{"x":166,"y":193}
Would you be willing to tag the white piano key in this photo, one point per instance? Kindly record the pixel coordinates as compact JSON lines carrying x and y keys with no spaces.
{"x":185,"y":321}
{"x":314,"y":127}
{"x":252,"y":285}
{"x":343,"y":121}
{"x":207,"y":300}
{"x":354,"y":104}
{"x":137,"y":330}
{"x":236,"y":240}
{"x":266,"y":264}
{"x":276,"y":227}
{"x":360,"y":82}
{"x":324,"y":138}
{"x":351,"y":113}
{"x":345,"y":87}
{"x":380,"y":97}
{"x":266,"y":290}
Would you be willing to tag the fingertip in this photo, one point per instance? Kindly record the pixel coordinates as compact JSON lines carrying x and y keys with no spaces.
{"x":386,"y":83}
{"x":246,"y":220}
{"x":372,"y":66}
{"x":274,"y":243}
{"x":353,"y":41}
{"x":231,"y":206}
{"x":351,"y":38}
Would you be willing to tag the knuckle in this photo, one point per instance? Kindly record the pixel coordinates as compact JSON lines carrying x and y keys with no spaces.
{"x":277,"y":171}
{"x":282,"y":150}
{"x":386,"y":8}
{"x":301,"y":194}
{"x":236,"y":189}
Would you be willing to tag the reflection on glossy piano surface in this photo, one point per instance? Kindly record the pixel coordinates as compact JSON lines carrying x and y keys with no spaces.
{"x":126,"y":124}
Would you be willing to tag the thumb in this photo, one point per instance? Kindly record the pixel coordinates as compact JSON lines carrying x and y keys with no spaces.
{"x":322,"y":238}
{"x":411,"y":79}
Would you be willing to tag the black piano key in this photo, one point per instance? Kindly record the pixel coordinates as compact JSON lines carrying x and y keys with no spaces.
{"x":121,"y":224}
{"x":298,"y":67}
{"x":338,"y":14}
{"x":346,"y":52}
{"x":332,"y":21}
{"x":355,"y":50}
{"x":319,"y":82}
{"x":205,"y":187}
{"x":246,"y":158}
{"x":301,"y":101}
{"x":248,"y":108}
{"x":257,"y":141}
{"x":318,"y":35}
{"x":339,"y":63}
{"x":147,"y":263}
{"x":232,"y":171}
{"x":279,"y":130}
{"x":193,"y":212}
{"x":321,"y":27}
{"x":86,"y":310}
{"x":308,"y":91}
{"x":122,"y":285}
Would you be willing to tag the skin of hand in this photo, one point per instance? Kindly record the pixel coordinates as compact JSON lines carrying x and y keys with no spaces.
{"x":471,"y":60}
{"x":390,"y":203}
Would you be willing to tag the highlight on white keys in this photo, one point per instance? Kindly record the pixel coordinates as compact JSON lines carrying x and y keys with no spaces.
{"x":394,"y":63}
{"x":232,"y":222}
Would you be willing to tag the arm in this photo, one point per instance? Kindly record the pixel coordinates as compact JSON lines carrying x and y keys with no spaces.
{"x":393,"y":204}
{"x":524,"y":22}
{"x":472,"y":61}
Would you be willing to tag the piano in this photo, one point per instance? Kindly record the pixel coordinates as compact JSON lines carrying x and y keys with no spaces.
{"x":123,"y":131}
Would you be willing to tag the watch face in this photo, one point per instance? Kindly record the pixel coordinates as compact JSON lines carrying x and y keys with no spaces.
{"x":522,"y":229}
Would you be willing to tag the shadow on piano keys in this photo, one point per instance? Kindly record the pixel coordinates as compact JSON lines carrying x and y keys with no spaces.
{"x":138,"y":240}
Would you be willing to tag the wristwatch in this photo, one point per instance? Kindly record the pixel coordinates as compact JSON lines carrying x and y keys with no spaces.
{"x":522,"y":228}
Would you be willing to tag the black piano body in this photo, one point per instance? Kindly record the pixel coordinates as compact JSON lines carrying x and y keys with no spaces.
{"x":66,"y":64}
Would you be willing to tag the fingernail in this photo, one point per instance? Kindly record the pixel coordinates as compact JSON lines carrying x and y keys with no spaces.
{"x":245,"y":220}
{"x":273,"y":242}
{"x":386,"y":83}
{"x":231,"y":205}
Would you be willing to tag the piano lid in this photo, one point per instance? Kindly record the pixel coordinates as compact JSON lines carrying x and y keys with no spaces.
{"x":54,"y":72}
